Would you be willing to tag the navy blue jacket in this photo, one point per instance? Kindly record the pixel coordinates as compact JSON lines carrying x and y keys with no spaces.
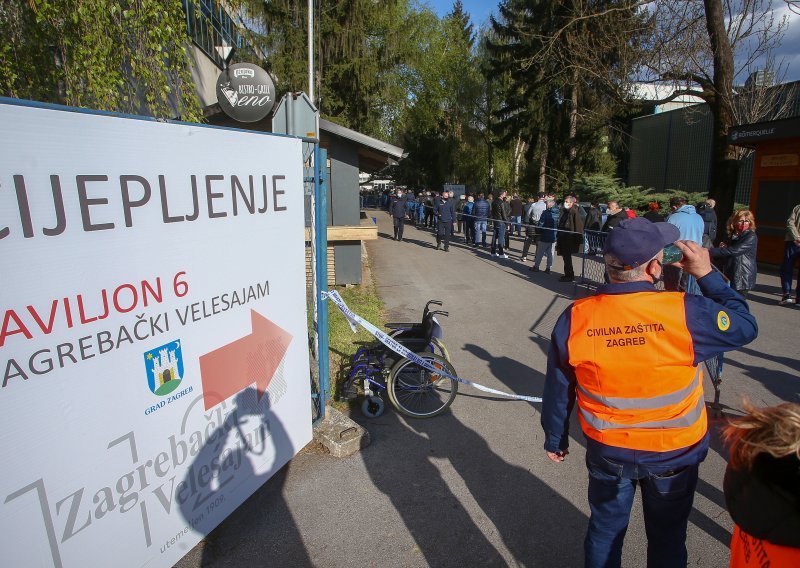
{"x":446,"y":210}
{"x":707,"y":338}
{"x":398,"y":207}
{"x":481,"y":210}
{"x":549,"y":220}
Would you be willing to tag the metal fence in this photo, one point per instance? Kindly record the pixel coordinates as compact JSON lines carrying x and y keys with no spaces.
{"x":593,"y":269}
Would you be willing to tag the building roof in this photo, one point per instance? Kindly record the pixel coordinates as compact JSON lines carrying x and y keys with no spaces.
{"x":373,"y":154}
{"x":655,"y":92}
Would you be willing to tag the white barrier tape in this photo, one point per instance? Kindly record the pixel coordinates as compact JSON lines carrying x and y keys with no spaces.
{"x":353,"y":319}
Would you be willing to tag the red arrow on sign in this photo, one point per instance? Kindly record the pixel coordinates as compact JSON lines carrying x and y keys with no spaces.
{"x":252,"y":359}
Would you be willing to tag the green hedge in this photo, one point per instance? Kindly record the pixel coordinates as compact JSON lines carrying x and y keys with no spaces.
{"x":604,"y":188}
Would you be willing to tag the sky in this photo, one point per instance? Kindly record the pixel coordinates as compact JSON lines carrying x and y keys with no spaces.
{"x":479,"y":10}
{"x":789,"y":51}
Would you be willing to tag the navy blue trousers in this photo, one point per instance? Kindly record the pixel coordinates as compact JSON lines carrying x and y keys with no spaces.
{"x":667,"y":497}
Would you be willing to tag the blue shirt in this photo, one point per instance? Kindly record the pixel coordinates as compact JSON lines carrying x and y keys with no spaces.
{"x":708,"y":340}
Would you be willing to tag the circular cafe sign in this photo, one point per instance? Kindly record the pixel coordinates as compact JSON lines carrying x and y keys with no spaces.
{"x":245,"y":92}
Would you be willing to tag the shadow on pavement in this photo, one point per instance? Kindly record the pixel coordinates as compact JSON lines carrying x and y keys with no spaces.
{"x":528,"y":515}
{"x":785,"y":386}
{"x":518,"y":377}
{"x":791,"y":362}
{"x":511,"y":265}
{"x":219,"y":469}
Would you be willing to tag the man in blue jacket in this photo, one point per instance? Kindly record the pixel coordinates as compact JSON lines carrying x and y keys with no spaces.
{"x":469,"y":221}
{"x":481,"y":212}
{"x":690,"y":224}
{"x":397,"y":208}
{"x":690,"y":228}
{"x":629,"y":358}
{"x":445,"y":215}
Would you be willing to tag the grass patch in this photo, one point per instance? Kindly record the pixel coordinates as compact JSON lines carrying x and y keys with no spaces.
{"x":343,"y":343}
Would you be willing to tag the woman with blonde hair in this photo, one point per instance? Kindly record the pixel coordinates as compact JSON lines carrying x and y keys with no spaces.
{"x":739,"y":251}
{"x":762,"y":487}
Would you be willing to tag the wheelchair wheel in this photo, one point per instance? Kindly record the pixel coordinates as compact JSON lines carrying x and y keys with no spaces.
{"x":418,"y":392}
{"x":373,"y":406}
{"x":441,"y":348}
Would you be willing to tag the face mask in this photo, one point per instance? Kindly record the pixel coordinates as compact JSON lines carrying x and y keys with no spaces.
{"x":567,"y":205}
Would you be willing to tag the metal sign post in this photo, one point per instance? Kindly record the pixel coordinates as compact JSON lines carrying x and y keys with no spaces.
{"x":296,"y":115}
{"x":321,"y":273}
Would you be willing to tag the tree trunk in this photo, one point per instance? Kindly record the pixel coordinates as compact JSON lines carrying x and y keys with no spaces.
{"x":490,"y":162}
{"x":724,"y":166}
{"x":573,"y":132}
{"x":544,"y":142}
{"x":489,"y":137}
{"x":519,"y":151}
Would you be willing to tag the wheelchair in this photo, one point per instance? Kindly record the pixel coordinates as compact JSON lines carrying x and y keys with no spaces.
{"x":412,"y":389}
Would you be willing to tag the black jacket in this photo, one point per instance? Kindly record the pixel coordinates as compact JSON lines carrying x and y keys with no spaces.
{"x":740,"y":260}
{"x":593,"y":219}
{"x":709,"y":220}
{"x":498,"y":210}
{"x":570,"y":235}
{"x":654,"y":217}
{"x":614,"y":220}
{"x":516,"y":207}
{"x":765,"y":502}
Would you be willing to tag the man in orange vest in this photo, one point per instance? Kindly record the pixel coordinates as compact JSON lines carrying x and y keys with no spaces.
{"x":629,"y":356}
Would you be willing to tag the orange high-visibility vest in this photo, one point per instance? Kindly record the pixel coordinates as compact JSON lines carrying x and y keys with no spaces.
{"x":633,"y":356}
{"x":751,"y":552}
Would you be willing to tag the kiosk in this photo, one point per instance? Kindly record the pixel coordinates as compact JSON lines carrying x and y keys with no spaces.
{"x":776,"y":180}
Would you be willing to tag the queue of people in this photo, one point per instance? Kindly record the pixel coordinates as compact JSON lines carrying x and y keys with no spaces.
{"x":562,"y":229}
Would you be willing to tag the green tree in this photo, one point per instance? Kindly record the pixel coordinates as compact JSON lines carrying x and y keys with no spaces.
{"x":566,"y":62}
{"x":362,"y":49}
{"x":440,"y":129}
{"x":116,"y":55}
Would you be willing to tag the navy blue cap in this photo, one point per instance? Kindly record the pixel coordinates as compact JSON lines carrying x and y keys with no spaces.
{"x":636,"y":241}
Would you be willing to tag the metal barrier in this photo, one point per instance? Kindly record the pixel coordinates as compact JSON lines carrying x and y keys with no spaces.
{"x":371,"y":201}
{"x":593,"y":269}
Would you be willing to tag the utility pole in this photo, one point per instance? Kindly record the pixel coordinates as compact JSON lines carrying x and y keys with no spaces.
{"x":311,"y":50}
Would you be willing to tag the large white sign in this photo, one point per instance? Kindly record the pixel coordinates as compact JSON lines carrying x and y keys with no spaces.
{"x":153,"y":345}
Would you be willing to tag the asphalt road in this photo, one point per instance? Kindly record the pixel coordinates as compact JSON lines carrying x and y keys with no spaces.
{"x":473,"y":487}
